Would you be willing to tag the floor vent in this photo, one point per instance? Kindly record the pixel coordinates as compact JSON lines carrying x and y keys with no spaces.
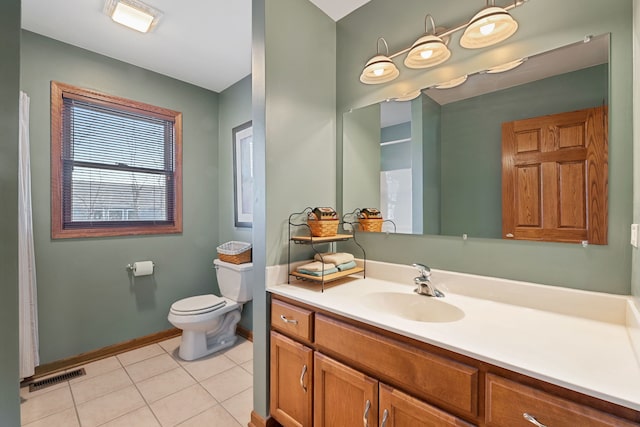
{"x":48,"y":382}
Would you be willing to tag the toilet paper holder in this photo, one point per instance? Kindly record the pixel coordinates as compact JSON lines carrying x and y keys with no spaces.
{"x":132,"y":267}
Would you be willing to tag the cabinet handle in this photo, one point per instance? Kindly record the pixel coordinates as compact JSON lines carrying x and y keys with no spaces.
{"x":509,"y":235}
{"x":284,"y":319}
{"x":533,"y":420}
{"x":385,"y":415}
{"x":365,"y":418}
{"x":304,"y":371}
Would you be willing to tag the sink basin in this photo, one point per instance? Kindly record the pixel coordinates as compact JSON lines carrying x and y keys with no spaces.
{"x":412,"y":307}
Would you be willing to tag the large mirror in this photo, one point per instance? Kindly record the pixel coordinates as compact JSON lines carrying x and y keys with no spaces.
{"x":433,"y":164}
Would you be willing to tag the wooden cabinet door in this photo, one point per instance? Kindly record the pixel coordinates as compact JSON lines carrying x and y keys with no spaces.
{"x":401,"y":410}
{"x":291,"y":382}
{"x":554,"y":177}
{"x":344,"y":397}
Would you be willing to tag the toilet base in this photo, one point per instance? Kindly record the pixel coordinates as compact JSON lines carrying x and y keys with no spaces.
{"x":197,"y":344}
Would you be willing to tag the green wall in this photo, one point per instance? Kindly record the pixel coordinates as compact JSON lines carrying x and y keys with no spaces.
{"x":599,"y":268}
{"x":234,"y":110}
{"x":635,"y":280}
{"x":471,"y":143}
{"x":86,"y":299}
{"x":9,"y":95}
{"x":293,"y":89}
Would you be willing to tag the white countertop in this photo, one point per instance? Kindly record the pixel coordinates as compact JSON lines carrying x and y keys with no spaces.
{"x":584,"y":341}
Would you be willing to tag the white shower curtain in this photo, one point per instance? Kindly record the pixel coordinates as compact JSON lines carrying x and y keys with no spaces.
{"x":27,"y":298}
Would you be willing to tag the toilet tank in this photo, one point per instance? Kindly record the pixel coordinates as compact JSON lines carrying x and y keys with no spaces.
{"x":234,"y":280}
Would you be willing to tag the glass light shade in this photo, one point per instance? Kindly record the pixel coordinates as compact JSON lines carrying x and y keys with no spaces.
{"x":427,"y":51}
{"x":488,"y":27}
{"x":408,"y":96}
{"x":379,"y":69}
{"x":132,"y":17}
{"x":452,"y":83}
{"x":506,"y":67}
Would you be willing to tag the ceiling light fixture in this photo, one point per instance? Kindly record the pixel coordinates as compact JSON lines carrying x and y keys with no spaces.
{"x":489,"y":26}
{"x":133,"y":14}
{"x":408,"y":96}
{"x":429,"y":50}
{"x":380,"y":68}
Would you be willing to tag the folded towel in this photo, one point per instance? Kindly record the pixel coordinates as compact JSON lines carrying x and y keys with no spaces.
{"x":335,"y":258}
{"x":318,"y":273}
{"x":317,"y":266}
{"x":346,"y":266}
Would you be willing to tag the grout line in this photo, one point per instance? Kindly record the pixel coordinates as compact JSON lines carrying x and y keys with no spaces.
{"x":148,"y":405}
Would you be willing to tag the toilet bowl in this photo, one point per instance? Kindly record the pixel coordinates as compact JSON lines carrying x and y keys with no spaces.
{"x":208,"y":322}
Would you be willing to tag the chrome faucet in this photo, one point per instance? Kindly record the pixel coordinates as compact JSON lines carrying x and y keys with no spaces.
{"x":423,"y":281}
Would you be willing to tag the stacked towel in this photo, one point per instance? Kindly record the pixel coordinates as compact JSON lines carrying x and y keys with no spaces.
{"x":346,"y":266}
{"x":317,"y":268}
{"x":336,"y":258}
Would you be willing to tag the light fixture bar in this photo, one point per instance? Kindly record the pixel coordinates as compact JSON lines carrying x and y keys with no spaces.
{"x":457,"y":28}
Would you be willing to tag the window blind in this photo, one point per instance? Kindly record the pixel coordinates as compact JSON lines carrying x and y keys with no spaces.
{"x":118,"y":166}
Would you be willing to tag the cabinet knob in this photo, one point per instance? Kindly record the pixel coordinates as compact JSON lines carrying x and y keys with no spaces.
{"x":533,"y":420}
{"x":285,"y":320}
{"x":385,"y":415}
{"x":510,"y":235}
{"x":304,"y":371}
{"x":365,"y":418}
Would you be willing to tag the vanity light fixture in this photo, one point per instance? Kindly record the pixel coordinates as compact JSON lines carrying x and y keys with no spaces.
{"x":429,"y":50}
{"x":491,"y":25}
{"x":408,"y":96}
{"x":506,"y":67}
{"x":380,"y":68}
{"x":452,"y":83}
{"x":133,"y":14}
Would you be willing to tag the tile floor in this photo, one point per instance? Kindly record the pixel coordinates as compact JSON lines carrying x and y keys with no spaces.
{"x":150,"y":386}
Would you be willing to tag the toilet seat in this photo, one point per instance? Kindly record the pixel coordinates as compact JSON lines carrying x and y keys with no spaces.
{"x":199,"y":304}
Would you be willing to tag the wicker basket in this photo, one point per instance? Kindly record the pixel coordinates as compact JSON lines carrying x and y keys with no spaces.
{"x":235,"y":252}
{"x":370,"y":225}
{"x":323,"y":228}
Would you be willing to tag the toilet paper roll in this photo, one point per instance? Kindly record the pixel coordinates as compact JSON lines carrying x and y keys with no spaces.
{"x":142,"y":268}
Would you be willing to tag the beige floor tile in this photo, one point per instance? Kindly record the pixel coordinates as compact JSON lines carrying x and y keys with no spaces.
{"x":100,"y":385}
{"x":96,"y":368}
{"x":46,"y":404}
{"x":240,"y":406}
{"x":228,"y":383}
{"x":216,"y":416}
{"x":171,"y":345}
{"x":142,"y":417}
{"x":66,"y":418}
{"x":109,"y":407}
{"x":182,"y":405}
{"x":139,"y":354}
{"x":241,"y":352}
{"x":164,"y":384}
{"x":207,"y":367}
{"x":151,"y":367}
{"x":25,"y":393}
{"x":248,"y":366}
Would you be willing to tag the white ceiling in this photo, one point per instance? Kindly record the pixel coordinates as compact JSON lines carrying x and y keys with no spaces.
{"x":203,"y":42}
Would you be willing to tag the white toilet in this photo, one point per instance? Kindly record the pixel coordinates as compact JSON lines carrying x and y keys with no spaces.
{"x":208,"y":322}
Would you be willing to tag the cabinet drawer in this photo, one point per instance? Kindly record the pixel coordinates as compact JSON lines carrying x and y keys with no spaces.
{"x":291,"y":320}
{"x":435,"y":378}
{"x":508,"y":401}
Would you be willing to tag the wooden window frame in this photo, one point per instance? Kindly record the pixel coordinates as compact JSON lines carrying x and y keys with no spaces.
{"x":58,"y":231}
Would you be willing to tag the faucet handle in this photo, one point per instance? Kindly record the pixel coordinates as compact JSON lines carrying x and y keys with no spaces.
{"x":425,"y":271}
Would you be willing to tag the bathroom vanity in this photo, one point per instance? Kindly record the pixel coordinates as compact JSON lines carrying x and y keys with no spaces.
{"x":492,"y":352}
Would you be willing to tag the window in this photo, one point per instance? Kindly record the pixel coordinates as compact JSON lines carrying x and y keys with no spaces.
{"x":116,"y":165}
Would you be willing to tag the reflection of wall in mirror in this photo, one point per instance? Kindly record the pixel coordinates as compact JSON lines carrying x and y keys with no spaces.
{"x":395,"y":195}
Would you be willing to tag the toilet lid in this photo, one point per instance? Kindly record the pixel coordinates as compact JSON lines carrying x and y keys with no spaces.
{"x":198,"y":304}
